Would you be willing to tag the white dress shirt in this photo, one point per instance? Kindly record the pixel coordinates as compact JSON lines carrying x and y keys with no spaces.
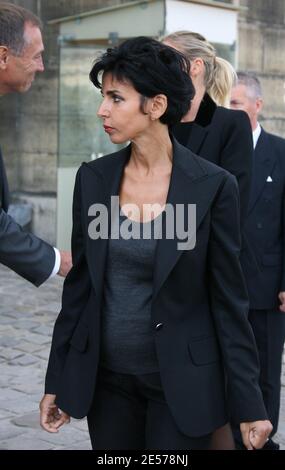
{"x":255,"y":134}
{"x":56,"y":263}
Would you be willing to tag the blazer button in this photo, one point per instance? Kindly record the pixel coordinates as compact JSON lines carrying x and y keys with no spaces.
{"x":159,"y":326}
{"x":259,"y":225}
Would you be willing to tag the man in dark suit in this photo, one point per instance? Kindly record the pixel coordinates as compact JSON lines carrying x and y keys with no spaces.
{"x":21,"y":50}
{"x":4,"y":189}
{"x":263,"y":258}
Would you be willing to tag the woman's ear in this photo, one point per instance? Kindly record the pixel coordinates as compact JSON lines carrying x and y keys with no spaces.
{"x":197,"y":67}
{"x":158,"y":107}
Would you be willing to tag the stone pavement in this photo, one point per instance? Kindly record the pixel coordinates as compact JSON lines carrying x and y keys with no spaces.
{"x":27,"y":315}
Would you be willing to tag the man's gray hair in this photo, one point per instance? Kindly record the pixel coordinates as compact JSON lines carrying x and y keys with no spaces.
{"x":251,"y":82}
{"x":12,"y":25}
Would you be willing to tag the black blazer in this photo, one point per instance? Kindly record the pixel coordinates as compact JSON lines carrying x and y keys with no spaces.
{"x":263,"y":257}
{"x":224,"y":137}
{"x":23,"y":252}
{"x":199,"y":297}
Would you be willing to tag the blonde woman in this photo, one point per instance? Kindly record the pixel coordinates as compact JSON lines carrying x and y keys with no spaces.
{"x":209,"y":129}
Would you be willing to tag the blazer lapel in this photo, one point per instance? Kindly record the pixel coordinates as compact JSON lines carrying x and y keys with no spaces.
{"x":190,"y":184}
{"x":101,"y":192}
{"x":263,"y":166}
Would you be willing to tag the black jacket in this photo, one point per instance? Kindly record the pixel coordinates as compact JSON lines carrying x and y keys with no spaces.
{"x":224,"y":137}
{"x":4,"y":189}
{"x":263,"y":257}
{"x":199,"y":298}
{"x":23,"y":252}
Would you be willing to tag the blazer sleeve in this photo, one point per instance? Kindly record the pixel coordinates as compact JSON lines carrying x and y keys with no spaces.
{"x":76,"y":291}
{"x":23,"y":252}
{"x":4,"y":187}
{"x":237,"y":154}
{"x":229,"y":302}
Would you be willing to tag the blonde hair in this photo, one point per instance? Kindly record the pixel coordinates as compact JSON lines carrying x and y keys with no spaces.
{"x":220,"y":76}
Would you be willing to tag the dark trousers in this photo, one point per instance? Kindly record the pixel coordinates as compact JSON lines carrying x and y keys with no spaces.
{"x":269,"y":331}
{"x":130,"y":412}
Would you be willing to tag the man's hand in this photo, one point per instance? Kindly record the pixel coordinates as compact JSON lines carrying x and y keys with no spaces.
{"x":51,"y":418}
{"x":281,"y":297}
{"x":255,"y":434}
{"x":65,"y":263}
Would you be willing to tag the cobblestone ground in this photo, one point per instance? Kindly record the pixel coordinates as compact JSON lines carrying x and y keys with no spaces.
{"x":27,"y":316}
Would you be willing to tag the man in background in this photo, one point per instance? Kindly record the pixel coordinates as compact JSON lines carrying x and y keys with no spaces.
{"x":21,"y":49}
{"x":263,"y":259}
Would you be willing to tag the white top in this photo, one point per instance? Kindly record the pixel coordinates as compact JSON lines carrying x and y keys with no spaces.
{"x":56,"y":263}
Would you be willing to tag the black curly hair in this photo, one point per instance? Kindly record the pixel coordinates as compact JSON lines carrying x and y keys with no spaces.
{"x":152,"y":68}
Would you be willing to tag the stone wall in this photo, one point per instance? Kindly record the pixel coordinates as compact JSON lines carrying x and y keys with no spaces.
{"x":261,"y":50}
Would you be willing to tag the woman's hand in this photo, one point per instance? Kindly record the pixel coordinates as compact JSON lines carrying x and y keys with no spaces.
{"x":51,"y":418}
{"x":255,"y":434}
{"x":281,"y":297}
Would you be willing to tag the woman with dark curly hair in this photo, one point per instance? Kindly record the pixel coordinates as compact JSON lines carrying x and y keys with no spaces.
{"x":154,"y":310}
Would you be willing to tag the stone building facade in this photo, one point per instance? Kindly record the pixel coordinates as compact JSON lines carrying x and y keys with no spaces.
{"x":29,"y":123}
{"x":261,"y":50}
